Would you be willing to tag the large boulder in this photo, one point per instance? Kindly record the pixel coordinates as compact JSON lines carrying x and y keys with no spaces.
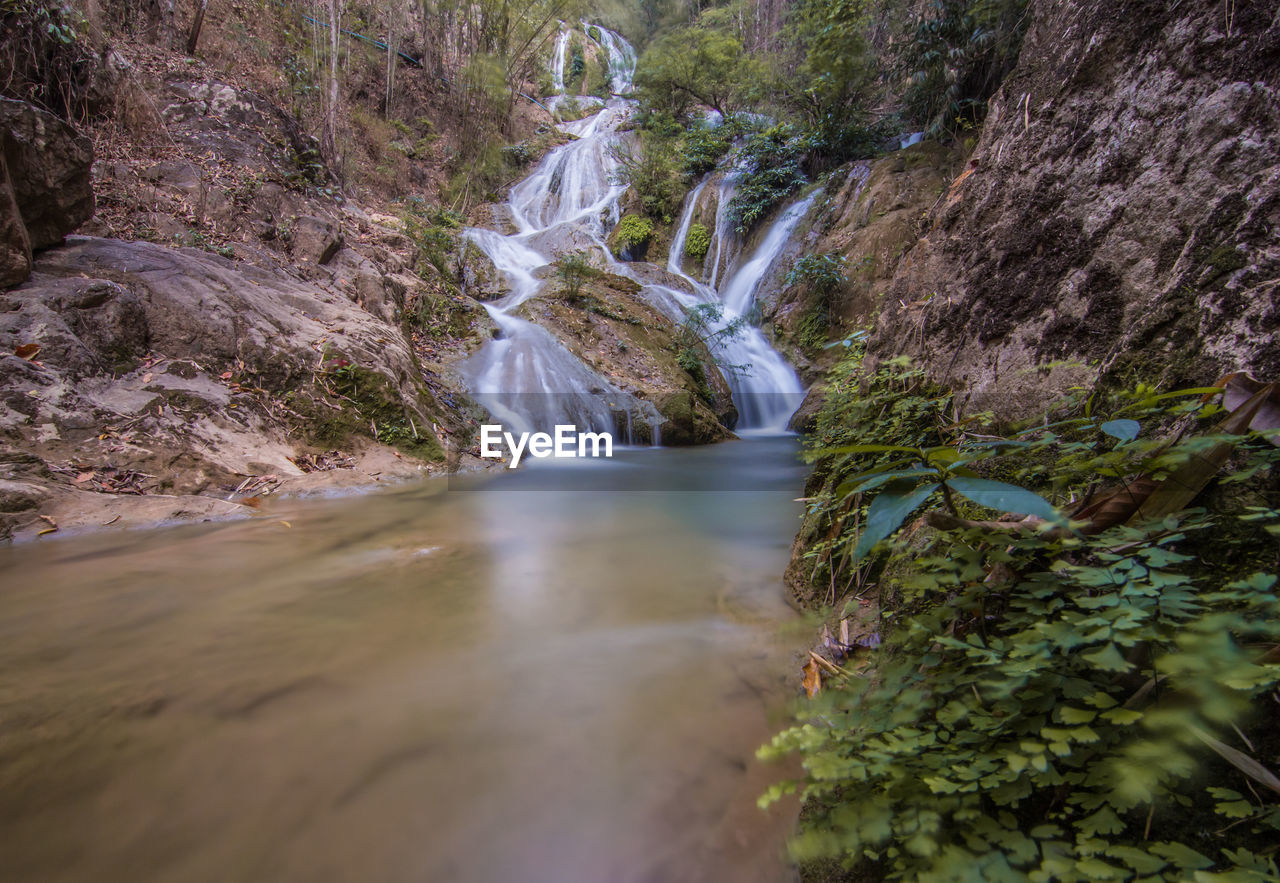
{"x":45,"y":187}
{"x":634,"y":345}
{"x":1117,"y":216}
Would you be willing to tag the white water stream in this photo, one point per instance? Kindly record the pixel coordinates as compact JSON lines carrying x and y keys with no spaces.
{"x":570,"y":202}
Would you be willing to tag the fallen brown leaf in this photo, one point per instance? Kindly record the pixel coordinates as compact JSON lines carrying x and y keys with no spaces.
{"x":812,"y":680}
{"x":1183,"y":484}
{"x":1239,"y":388}
{"x":1114,"y":505}
{"x":26,"y":351}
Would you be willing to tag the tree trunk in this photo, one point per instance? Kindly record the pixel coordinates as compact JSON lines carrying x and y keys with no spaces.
{"x":193,"y":37}
{"x":330,"y":132}
{"x":391,"y":56}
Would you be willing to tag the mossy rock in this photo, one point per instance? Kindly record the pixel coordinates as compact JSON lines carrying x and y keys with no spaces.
{"x":370,"y":407}
{"x":689,"y":421}
{"x":697,"y":242}
{"x":630,"y":240}
{"x":621,"y":337}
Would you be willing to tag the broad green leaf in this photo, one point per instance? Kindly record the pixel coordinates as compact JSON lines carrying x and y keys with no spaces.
{"x":868,"y":449}
{"x":1124,"y":430}
{"x":886,"y":514}
{"x":1107,"y":659}
{"x":1104,"y":821}
{"x":1004,"y":497}
{"x":1183,"y":856}
{"x":874,"y":481}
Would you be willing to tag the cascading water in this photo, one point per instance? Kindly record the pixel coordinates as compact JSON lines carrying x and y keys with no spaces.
{"x":766,"y":389}
{"x":558,"y":58}
{"x":526,"y":377}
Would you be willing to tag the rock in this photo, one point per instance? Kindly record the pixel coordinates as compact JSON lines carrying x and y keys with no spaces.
{"x":1117,"y":217}
{"x":15,"y":244}
{"x":633,"y":345}
{"x":872,"y":217}
{"x":689,"y":420}
{"x":804,"y":420}
{"x":316,"y":239}
{"x":46,"y":190}
{"x":19,"y":496}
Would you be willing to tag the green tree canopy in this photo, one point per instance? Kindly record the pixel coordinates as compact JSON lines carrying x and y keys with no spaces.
{"x":693,"y":66}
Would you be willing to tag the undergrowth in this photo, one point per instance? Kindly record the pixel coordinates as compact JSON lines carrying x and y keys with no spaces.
{"x":1091,"y":697}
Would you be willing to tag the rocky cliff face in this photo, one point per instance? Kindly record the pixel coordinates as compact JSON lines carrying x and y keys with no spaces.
{"x":45,"y":191}
{"x":1118,"y":216}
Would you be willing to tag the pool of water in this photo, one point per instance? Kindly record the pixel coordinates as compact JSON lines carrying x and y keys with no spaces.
{"x":558,"y":674}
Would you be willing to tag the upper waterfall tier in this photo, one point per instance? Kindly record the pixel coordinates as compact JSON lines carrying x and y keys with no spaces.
{"x":569,"y":203}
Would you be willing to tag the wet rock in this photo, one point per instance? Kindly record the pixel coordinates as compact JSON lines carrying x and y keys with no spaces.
{"x":45,"y":186}
{"x":634,"y":346}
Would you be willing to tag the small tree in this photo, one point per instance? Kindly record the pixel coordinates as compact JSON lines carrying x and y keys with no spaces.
{"x":574,"y":270}
{"x":821,"y":276}
{"x":699,"y":337}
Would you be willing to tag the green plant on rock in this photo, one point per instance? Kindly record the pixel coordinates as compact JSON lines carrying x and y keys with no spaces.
{"x":699,"y":339}
{"x":577,"y":67}
{"x":821,"y":276}
{"x":632,"y":236}
{"x":697,"y":242}
{"x":958,"y":55}
{"x":654,"y":173}
{"x":705,"y":146}
{"x":435,"y":231}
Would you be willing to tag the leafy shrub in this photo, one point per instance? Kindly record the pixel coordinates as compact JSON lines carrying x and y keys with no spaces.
{"x":821,"y":273}
{"x":44,"y":56}
{"x":574,"y":270}
{"x":694,"y":66}
{"x":959,"y":53}
{"x":705,"y":146}
{"x":654,"y":173}
{"x":577,"y":67}
{"x":697,"y":242}
{"x":772,"y":171}
{"x":698,"y":340}
{"x":435,"y":232}
{"x":1046,"y":703}
{"x":632,"y":236}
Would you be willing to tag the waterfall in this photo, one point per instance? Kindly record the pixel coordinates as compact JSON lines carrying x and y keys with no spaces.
{"x":558,"y":59}
{"x":675,"y":261}
{"x":528,"y":379}
{"x":766,"y":389}
{"x":724,"y":232}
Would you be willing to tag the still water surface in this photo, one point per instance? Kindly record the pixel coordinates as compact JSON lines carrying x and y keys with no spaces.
{"x":554,"y":675}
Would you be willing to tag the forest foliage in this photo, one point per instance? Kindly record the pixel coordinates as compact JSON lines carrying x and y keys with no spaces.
{"x":824,"y":82}
{"x":1088,"y":694}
